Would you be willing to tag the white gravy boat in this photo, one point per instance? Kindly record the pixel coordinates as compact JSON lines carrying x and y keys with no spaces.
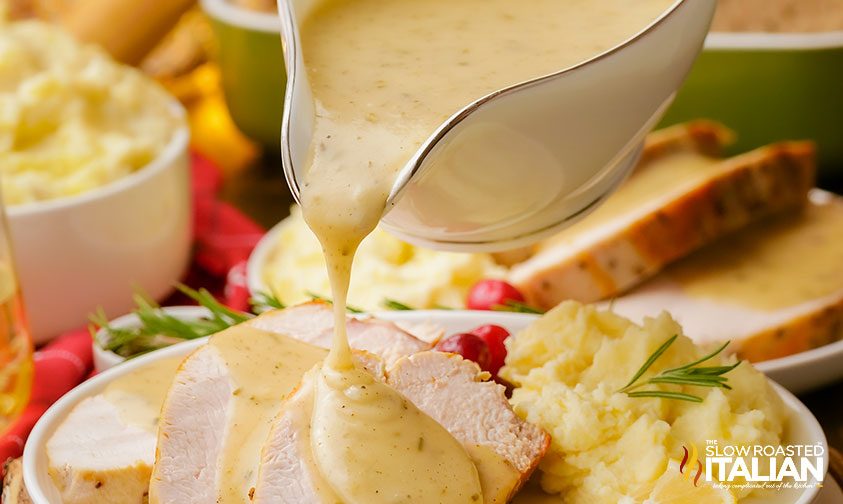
{"x":520,"y":163}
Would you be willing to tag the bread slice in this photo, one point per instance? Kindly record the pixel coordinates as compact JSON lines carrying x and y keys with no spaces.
{"x":679,"y":200}
{"x":774,"y":289}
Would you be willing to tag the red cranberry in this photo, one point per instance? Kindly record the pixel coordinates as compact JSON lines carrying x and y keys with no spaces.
{"x":487,"y":294}
{"x":494,"y":336}
{"x":469,"y":346}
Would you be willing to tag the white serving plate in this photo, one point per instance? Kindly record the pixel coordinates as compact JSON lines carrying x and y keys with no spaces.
{"x":807,"y":370}
{"x":798,"y":373}
{"x":803,"y":427}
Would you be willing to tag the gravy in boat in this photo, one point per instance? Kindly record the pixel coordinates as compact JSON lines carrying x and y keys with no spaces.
{"x":385,"y":74}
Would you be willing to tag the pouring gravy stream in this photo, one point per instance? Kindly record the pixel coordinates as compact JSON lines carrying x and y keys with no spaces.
{"x":385,"y":74}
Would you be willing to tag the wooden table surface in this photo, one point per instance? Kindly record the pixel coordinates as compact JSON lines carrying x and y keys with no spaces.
{"x":261,"y":192}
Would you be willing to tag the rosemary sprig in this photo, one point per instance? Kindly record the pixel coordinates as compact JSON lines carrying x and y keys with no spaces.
{"x":264,"y":301}
{"x":158,"y":329}
{"x":664,"y":394}
{"x":392,"y":304}
{"x":517,"y":307}
{"x":317,"y":297}
{"x":219,"y":312}
{"x":685,"y":375}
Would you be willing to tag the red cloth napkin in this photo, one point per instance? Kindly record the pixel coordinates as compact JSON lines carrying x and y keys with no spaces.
{"x":224,"y":237}
{"x":223,"y":240}
{"x":61,"y":365}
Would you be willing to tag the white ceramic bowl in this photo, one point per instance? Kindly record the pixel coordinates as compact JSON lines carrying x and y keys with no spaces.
{"x":77,"y":253}
{"x":803,"y":427}
{"x":106,"y":359}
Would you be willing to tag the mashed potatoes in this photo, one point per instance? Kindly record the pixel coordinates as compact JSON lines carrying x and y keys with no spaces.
{"x":71,"y":119}
{"x":606,"y":446}
{"x":385,"y":267}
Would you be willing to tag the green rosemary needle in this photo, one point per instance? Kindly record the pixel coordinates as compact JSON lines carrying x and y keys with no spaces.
{"x":158,"y":329}
{"x":392,"y":304}
{"x":517,"y":307}
{"x":264,"y":301}
{"x":685,"y":375}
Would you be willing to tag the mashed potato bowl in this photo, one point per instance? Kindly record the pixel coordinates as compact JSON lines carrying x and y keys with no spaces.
{"x":77,"y":253}
{"x":288,"y":262}
{"x":802,"y":427}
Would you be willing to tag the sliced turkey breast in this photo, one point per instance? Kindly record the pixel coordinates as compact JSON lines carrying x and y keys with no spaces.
{"x":192,"y":430}
{"x":314,"y":323}
{"x":221,"y":404}
{"x":288,"y":473}
{"x":707,"y":139}
{"x":676,"y":202}
{"x":450,"y":390}
{"x":216,"y":415}
{"x":104,"y":450}
{"x":457,"y":394}
{"x":774,"y":289}
{"x":95,"y":457}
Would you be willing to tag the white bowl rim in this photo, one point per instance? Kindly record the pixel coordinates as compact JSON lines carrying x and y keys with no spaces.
{"x":44,"y":426}
{"x":111,"y":359}
{"x":762,"y":41}
{"x":225,"y":10}
{"x":257,"y":260}
{"x":176,"y":147}
{"x":52,"y":415}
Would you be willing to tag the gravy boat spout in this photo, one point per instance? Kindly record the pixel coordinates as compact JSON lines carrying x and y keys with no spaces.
{"x":522,"y":162}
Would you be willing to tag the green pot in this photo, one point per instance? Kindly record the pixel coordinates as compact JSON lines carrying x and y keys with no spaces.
{"x":252,"y":65}
{"x":770,"y":87}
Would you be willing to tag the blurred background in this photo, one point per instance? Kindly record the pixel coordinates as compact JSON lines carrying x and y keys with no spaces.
{"x":771,"y":71}
{"x":174,"y":42}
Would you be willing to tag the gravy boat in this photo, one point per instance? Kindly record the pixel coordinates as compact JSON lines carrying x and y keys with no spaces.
{"x":522,"y":162}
